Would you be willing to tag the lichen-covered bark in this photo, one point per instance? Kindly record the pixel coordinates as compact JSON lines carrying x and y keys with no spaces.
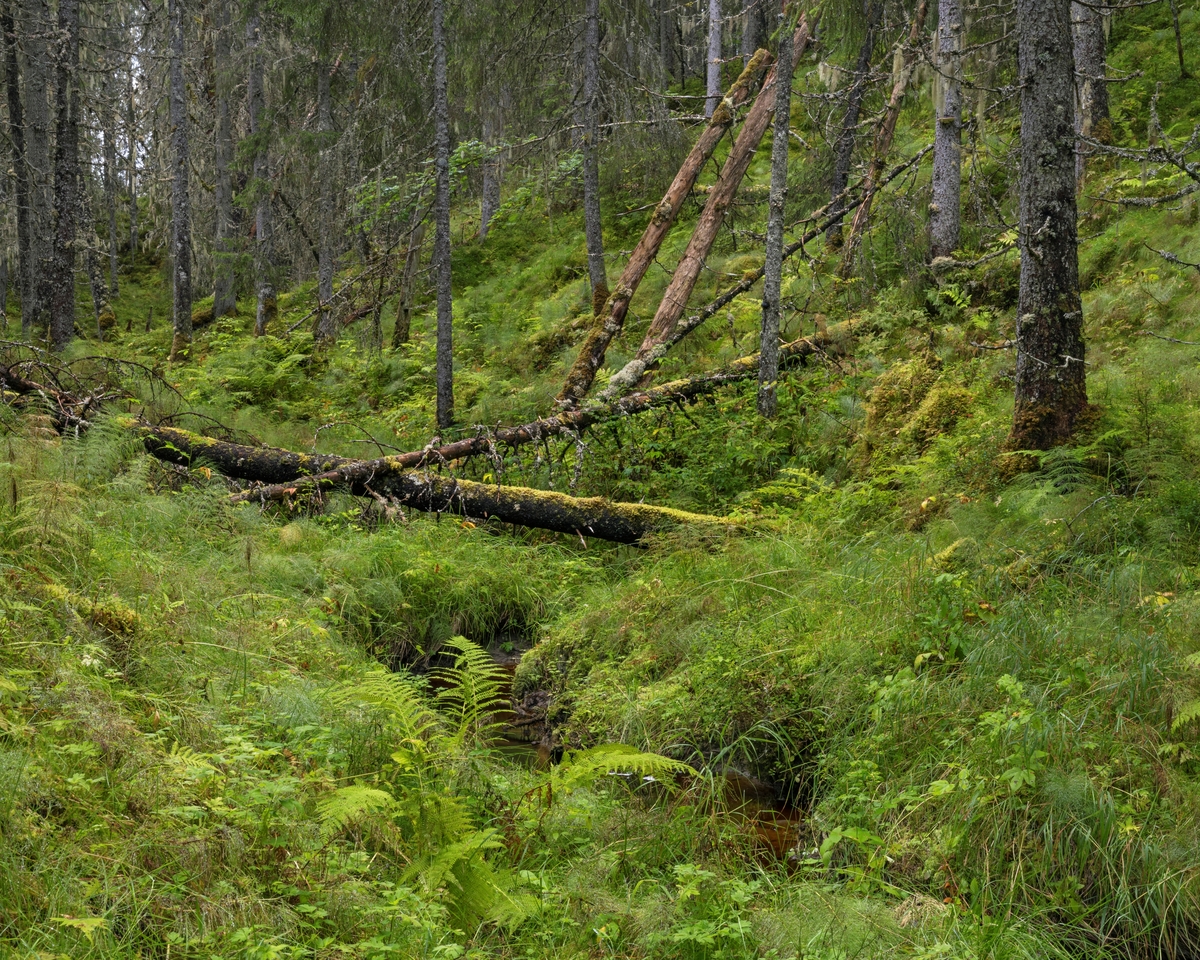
{"x":945,"y":213}
{"x":609,"y":323}
{"x":16,"y":132}
{"x":441,"y":238}
{"x":768,"y":368}
{"x":36,"y":27}
{"x":1050,"y":377}
{"x":224,"y":280}
{"x":326,"y":326}
{"x":687,"y":272}
{"x":66,"y":176}
{"x":264,"y":250}
{"x":181,"y":217}
{"x":712,"y":74}
{"x":1091,"y":85}
{"x":883,"y":139}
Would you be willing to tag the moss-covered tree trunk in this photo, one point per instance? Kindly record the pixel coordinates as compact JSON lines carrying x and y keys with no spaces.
{"x":1050,"y":377}
{"x":608,"y":325}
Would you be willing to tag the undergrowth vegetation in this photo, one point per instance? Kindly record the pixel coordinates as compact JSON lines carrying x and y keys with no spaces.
{"x":972,"y":693}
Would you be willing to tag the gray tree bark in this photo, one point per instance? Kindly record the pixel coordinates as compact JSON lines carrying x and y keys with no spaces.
{"x":844,"y":148}
{"x":181,"y":229}
{"x":264,"y":252}
{"x":87,"y":222}
{"x":489,"y":201}
{"x":66,"y":176}
{"x":768,"y":362}
{"x":109,"y":135}
{"x":16,"y":128}
{"x":441,"y":240}
{"x":945,"y":209}
{"x":131,"y":132}
{"x":1051,"y":391}
{"x":36,"y":27}
{"x":404,"y":306}
{"x":327,"y":327}
{"x":224,"y":278}
{"x":754,"y":28}
{"x":591,"y":161}
{"x":1091,"y":85}
{"x":713,"y":64}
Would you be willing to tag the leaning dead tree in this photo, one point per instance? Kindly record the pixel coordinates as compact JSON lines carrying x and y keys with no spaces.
{"x":612,"y":317}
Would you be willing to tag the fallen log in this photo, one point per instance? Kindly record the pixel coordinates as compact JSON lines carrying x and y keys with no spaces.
{"x":683,"y":281}
{"x":569,"y":423}
{"x":541,"y":509}
{"x":612,"y":316}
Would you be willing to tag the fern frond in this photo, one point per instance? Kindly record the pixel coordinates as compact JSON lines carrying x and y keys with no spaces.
{"x":349,"y":805}
{"x":584,"y":767}
{"x":473,"y":693}
{"x":398,"y":696}
{"x":1185,"y":715}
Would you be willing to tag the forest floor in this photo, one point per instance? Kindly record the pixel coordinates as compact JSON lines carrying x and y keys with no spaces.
{"x":973,"y":694}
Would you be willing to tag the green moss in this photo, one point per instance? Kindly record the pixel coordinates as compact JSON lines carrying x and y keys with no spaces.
{"x":942,"y":407}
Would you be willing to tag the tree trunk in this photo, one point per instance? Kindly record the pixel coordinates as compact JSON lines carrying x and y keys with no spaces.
{"x":1051,"y":391}
{"x":493,"y":132}
{"x":404,"y":308}
{"x":1091,"y":66}
{"x":687,"y":272}
{"x":844,"y":148}
{"x":754,"y":28}
{"x":1183,"y":70}
{"x":224,"y":278}
{"x":591,"y":162}
{"x":441,"y":240}
{"x":26,"y":264}
{"x":883,"y":139}
{"x":104,"y":318}
{"x":181,"y":229}
{"x":327,"y":325}
{"x":591,"y":354}
{"x":110,"y":183}
{"x":945,"y":209}
{"x":713,"y":62}
{"x":131,"y":125}
{"x":36,"y":27}
{"x":768,"y":368}
{"x":66,"y":176}
{"x":264,"y":249}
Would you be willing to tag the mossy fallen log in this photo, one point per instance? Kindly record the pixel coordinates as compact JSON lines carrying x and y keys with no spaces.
{"x":541,"y":509}
{"x":569,"y":423}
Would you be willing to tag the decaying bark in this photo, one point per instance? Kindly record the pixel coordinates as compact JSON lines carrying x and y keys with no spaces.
{"x":883,"y":139}
{"x":683,"y":281}
{"x":612,"y":318}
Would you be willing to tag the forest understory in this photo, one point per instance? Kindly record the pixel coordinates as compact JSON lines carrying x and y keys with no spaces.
{"x":593,"y":639}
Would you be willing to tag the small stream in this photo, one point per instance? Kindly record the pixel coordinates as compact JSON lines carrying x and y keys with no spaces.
{"x":526,"y":740}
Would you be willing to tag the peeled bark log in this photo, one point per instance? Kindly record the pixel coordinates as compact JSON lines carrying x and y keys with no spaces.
{"x":608,"y":325}
{"x":883,"y":140}
{"x":687,"y":272}
{"x":632,"y":373}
